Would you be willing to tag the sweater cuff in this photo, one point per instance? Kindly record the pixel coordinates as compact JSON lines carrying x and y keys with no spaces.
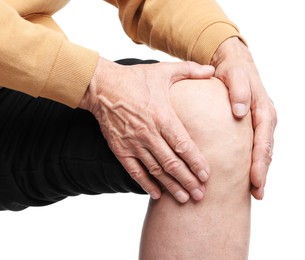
{"x":71,"y":74}
{"x":208,"y":41}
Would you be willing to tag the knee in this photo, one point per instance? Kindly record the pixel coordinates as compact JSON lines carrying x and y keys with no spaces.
{"x":204,"y":108}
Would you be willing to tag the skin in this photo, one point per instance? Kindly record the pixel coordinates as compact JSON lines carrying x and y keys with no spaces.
{"x":236,"y":68}
{"x":145,"y":134}
{"x":142,"y":128}
{"x":217,"y":227}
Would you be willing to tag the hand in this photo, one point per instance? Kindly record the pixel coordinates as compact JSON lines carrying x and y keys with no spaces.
{"x":132,"y":106}
{"x":235,"y":67}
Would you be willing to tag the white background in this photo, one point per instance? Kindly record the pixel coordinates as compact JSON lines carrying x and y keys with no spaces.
{"x":109,"y":226}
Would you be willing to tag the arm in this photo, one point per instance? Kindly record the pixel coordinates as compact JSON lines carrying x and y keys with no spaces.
{"x":132,"y":106}
{"x":40,"y":61}
{"x":190,"y":30}
{"x":199,"y":30}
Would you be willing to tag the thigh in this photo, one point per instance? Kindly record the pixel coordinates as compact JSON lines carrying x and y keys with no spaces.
{"x":49,"y":151}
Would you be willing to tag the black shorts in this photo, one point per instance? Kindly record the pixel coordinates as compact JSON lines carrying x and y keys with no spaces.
{"x":49,"y":151}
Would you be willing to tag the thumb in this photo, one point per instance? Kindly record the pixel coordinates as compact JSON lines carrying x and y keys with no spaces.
{"x":240,"y":96}
{"x":191,"y":70}
{"x":240,"y":109}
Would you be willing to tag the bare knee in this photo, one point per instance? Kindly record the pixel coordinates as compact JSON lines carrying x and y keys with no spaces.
{"x":220,"y":223}
{"x":204,"y":108}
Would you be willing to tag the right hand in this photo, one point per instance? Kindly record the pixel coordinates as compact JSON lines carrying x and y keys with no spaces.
{"x":236,"y":68}
{"x":132,"y":106}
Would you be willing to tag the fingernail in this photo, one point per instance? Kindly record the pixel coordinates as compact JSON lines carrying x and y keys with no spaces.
{"x":181,"y":196}
{"x":239,"y":109}
{"x":262,"y":194}
{"x":154,"y":195}
{"x":208,"y":67}
{"x":197,"y":194}
{"x":203,"y":176}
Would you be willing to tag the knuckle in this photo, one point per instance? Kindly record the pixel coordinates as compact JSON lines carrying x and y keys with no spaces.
{"x":267,"y":151}
{"x":136,"y":175}
{"x":145,"y":136}
{"x":172,"y":166}
{"x":196,"y":166}
{"x":140,"y":179}
{"x":172,"y":187}
{"x":270,"y":114}
{"x":274,"y":117}
{"x":189,"y":184}
{"x":182,"y":146}
{"x":141,"y":133}
{"x":155,"y":170}
{"x":116,"y":148}
{"x":162,"y":119}
{"x":189,"y":65}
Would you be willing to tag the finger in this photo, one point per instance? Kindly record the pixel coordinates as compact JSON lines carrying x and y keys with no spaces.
{"x":172,"y":165}
{"x":176,"y":167}
{"x":178,"y":170}
{"x":258,"y":177}
{"x":190,"y":70}
{"x":181,"y":143}
{"x":259,"y":170}
{"x":166,"y":180}
{"x":169,"y":161}
{"x":141,"y":176}
{"x":264,"y":125}
{"x":257,"y":193}
{"x":240,"y":93}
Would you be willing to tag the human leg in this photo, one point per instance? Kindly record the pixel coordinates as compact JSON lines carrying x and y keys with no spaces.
{"x":217,"y":227}
{"x":49,"y":151}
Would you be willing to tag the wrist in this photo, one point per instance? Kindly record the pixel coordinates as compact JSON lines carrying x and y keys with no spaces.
{"x":89,"y":98}
{"x":102,"y":82}
{"x":232,"y":47}
{"x":87,"y":101}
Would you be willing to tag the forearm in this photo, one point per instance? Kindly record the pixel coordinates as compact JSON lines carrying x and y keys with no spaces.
{"x":190,"y":30}
{"x":40,"y":61}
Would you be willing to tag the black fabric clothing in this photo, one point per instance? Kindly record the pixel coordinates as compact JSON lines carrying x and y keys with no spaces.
{"x":49,"y":151}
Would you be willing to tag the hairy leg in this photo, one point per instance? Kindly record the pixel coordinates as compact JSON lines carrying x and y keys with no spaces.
{"x":218,"y":227}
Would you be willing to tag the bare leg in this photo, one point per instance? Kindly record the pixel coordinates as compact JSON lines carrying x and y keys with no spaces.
{"x":219,"y":226}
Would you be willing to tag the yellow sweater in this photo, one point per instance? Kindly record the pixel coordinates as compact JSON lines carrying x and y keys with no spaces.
{"x":37,"y":59}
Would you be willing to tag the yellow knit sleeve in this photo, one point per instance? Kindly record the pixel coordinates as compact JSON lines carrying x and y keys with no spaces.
{"x":42,"y":62}
{"x":187,"y":29}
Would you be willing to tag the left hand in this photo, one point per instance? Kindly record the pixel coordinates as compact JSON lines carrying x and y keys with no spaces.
{"x":235,"y":67}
